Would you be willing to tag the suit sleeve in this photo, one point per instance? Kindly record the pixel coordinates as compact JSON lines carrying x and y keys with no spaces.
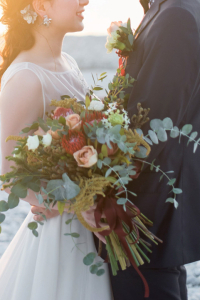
{"x":169,"y":71}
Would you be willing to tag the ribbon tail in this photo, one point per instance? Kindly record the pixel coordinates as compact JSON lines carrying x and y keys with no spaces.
{"x":146,"y":286}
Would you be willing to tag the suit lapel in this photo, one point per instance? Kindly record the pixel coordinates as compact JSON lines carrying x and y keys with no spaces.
{"x":152,"y":12}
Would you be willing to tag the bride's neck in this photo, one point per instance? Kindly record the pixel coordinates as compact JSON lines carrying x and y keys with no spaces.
{"x":47,"y":45}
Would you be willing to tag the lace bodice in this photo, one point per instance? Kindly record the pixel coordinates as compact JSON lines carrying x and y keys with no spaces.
{"x":54,"y":84}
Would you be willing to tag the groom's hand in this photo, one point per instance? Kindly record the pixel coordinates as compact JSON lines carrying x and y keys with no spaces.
{"x":48,"y":214}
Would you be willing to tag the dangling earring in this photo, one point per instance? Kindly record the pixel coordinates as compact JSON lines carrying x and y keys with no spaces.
{"x":46,"y":21}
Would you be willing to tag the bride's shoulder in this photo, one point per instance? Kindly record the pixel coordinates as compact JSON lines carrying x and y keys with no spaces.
{"x":70,"y":59}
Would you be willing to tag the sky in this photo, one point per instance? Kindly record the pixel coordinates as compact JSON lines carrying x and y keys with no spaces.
{"x":100,"y":13}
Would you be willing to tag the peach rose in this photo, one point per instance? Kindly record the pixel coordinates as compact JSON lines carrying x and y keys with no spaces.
{"x":73,"y":122}
{"x":114,"y":27}
{"x":86,"y":157}
{"x":54,"y":134}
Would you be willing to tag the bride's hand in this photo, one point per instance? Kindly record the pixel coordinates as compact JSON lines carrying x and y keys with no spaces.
{"x":90,"y":219}
{"x":49,"y":214}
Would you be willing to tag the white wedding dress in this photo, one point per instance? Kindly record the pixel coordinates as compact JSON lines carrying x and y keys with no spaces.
{"x":49,"y":267}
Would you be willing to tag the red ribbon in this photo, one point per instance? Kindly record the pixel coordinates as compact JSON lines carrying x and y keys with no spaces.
{"x":115,"y":216}
{"x":121,"y":66}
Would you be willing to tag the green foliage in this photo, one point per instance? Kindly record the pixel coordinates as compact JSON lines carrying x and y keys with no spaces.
{"x":20,"y":190}
{"x":100,"y":272}
{"x":63,"y":189}
{"x":173,"y":201}
{"x":2,"y":218}
{"x":89,"y":258}
{"x":68,"y":221}
{"x":121,"y":201}
{"x":3,"y":206}
{"x":13,"y":201}
{"x":32,"y":225}
{"x":93,"y":269}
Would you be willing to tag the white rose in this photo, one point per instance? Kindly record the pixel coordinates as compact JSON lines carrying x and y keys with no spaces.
{"x":47,"y":139}
{"x":113,"y":38}
{"x":33,"y":142}
{"x":96,"y":105}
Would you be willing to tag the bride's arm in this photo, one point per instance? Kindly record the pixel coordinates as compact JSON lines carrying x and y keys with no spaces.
{"x":21,"y":103}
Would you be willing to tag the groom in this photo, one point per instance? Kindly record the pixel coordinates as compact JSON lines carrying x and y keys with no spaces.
{"x":166,"y":64}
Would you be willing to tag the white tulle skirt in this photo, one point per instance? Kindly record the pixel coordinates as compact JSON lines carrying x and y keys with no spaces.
{"x":46,"y":267}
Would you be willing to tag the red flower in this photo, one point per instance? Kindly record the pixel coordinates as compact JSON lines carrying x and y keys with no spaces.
{"x":75,"y":141}
{"x":90,"y":117}
{"x":62,"y":112}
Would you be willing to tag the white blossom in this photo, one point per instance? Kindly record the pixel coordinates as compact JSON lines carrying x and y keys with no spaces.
{"x":33,"y":142}
{"x":47,"y":139}
{"x":96,"y":105}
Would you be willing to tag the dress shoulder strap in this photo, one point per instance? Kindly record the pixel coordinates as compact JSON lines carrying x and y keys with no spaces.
{"x":14,"y":68}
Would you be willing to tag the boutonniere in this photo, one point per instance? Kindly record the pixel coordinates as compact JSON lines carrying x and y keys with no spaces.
{"x":121,"y":37}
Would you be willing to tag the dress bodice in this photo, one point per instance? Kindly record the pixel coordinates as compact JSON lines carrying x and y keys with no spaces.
{"x":54,"y":84}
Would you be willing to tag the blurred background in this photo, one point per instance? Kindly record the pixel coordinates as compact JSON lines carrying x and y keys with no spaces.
{"x":88,"y":49}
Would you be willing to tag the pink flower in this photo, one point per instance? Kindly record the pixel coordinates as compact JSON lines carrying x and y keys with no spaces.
{"x":40,"y":132}
{"x":73,"y":122}
{"x":114,"y":149}
{"x":114,"y":27}
{"x":86,"y":157}
{"x":54,"y":134}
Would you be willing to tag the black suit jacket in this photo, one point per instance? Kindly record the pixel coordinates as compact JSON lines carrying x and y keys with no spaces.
{"x":166,"y":64}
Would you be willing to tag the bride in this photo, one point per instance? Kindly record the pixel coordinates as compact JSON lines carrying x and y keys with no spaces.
{"x":34,"y":71}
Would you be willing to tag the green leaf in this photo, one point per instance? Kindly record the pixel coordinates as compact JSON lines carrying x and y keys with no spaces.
{"x":20,"y":190}
{"x":87,"y":101}
{"x":153,"y":136}
{"x":174,"y":132}
{"x":162,"y":135}
{"x":121,"y":201}
{"x":97,"y":88}
{"x":133,"y":193}
{"x":107,"y":160}
{"x":61,"y":207}
{"x":177,"y":191}
{"x":192,"y":136}
{"x":13,"y":201}
{"x":33,"y":186}
{"x":100,"y":272}
{"x":43,"y":124}
{"x":40,"y":198}
{"x":171,"y":181}
{"x":108,"y":172}
{"x":3,"y":206}
{"x":2,"y":218}
{"x":93,"y":269}
{"x":34,"y":126}
{"x":172,"y":200}
{"x":32,"y":225}
{"x":131,"y":39}
{"x":156,"y":124}
{"x":68,"y":221}
{"x":99,"y":164}
{"x":142,"y":153}
{"x":26,"y":130}
{"x":99,"y":264}
{"x":152,"y":165}
{"x":111,"y":179}
{"x":124,"y":29}
{"x":167,"y":123}
{"x":35,"y":232}
{"x":102,"y":74}
{"x":63,"y":189}
{"x":187,"y":129}
{"x":104,"y":150}
{"x":89,"y":259}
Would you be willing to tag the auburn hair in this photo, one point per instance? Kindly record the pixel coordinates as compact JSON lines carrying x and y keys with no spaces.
{"x":18,"y":36}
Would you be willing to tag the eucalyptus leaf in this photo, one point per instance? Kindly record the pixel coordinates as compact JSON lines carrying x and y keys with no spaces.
{"x":108,"y":172}
{"x":40,"y":198}
{"x":192,"y":137}
{"x":100,"y":272}
{"x":177,"y":191}
{"x":107,"y":160}
{"x":142,"y":153}
{"x":171,"y":181}
{"x":139,"y":131}
{"x":3,"y":206}
{"x":2,"y":218}
{"x":99,"y":264}
{"x":35,"y":232}
{"x":156,"y":124}
{"x":174,"y":132}
{"x":187,"y":129}
{"x":172,"y":200}
{"x":13,"y":201}
{"x":68,"y":221}
{"x":131,"y":39}
{"x":89,"y":259}
{"x":63,"y":189}
{"x":121,"y":201}
{"x":20,"y":190}
{"x":167,"y":123}
{"x":32,"y":225}
{"x":74,"y":234}
{"x":153,"y":136}
{"x":93,"y":269}
{"x":162,"y":135}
